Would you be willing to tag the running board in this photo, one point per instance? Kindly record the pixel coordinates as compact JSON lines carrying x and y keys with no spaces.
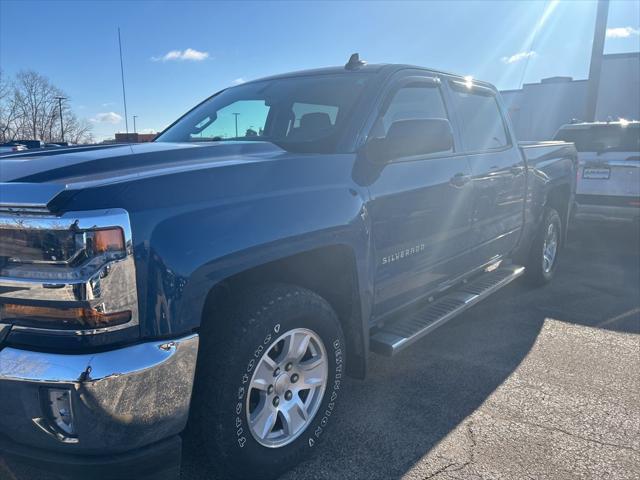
{"x":398,"y":335}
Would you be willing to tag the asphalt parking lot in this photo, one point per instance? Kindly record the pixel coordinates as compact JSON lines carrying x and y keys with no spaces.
{"x":529,"y":384}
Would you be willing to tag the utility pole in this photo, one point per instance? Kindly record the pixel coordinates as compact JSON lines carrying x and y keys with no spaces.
{"x":595,"y":66}
{"x":236,"y":115}
{"x":134,"y":123}
{"x":60,"y":99}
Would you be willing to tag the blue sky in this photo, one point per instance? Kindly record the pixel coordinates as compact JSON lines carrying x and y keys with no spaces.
{"x":177,"y":53}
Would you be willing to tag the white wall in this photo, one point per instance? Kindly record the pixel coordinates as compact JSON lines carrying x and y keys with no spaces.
{"x":619,"y":90}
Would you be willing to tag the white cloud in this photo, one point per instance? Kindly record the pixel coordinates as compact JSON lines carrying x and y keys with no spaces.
{"x":622,"y":32}
{"x":516,"y":57}
{"x":107,"y":117}
{"x":191,"y":54}
{"x":238,"y":81}
{"x":188,"y":54}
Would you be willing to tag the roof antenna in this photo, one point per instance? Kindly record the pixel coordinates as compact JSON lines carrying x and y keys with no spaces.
{"x":124,"y":95}
{"x":354,"y":62}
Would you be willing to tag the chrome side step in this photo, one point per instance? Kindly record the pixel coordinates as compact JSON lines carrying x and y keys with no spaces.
{"x":401,"y":333}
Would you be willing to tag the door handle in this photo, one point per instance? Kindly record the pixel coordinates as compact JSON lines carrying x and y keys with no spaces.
{"x":460,"y":180}
{"x":516,"y":170}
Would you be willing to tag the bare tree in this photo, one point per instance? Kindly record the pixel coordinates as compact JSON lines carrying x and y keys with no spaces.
{"x":36,"y":99}
{"x":29,"y":109}
{"x":75,"y":130}
{"x":9,"y":111}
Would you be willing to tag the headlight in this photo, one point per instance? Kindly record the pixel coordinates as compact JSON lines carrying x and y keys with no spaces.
{"x":74,"y":273}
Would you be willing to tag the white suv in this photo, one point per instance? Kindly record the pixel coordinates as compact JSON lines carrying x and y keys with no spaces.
{"x":608,"y":184}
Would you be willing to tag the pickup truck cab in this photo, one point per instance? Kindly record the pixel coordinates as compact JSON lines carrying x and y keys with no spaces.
{"x":229,"y":274}
{"x":608,"y":185}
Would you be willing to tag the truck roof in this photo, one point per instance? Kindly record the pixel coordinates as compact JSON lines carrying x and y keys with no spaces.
{"x":375,"y":68}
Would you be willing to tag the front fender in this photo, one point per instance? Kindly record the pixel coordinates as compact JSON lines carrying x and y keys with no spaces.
{"x":192,"y":251}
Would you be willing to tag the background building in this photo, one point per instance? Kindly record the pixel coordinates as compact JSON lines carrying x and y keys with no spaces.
{"x":537,"y":110}
{"x":134,"y":137}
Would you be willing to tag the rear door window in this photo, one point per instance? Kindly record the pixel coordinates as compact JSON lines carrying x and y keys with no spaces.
{"x":481,"y":124}
{"x":302,"y":109}
{"x":310,"y":121}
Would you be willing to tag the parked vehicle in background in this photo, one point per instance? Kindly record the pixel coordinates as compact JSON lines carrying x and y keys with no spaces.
{"x":11,"y":147}
{"x":608,"y":184}
{"x":30,"y":144}
{"x":359,"y":209}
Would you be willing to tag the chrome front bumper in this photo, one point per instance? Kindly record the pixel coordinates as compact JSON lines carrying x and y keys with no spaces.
{"x":120,"y":399}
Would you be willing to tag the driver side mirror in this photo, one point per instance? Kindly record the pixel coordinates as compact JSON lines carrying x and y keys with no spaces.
{"x":407,"y":138}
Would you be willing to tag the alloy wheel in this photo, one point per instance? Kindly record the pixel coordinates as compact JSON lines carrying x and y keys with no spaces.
{"x":287,"y":388}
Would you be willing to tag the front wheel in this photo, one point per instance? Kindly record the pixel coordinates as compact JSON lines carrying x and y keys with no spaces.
{"x":268,"y":381}
{"x":545,"y":249}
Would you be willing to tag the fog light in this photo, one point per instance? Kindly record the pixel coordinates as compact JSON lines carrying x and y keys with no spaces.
{"x":60,"y":411}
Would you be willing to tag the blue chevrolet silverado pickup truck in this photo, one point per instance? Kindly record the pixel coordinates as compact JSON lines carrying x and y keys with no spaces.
{"x":221,"y":283}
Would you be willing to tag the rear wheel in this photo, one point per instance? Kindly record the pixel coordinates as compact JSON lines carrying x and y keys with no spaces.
{"x":545,"y":249}
{"x":267,"y":381}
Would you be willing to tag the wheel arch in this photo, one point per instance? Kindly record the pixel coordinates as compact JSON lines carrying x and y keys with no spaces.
{"x":559,"y":198}
{"x":330,"y":271}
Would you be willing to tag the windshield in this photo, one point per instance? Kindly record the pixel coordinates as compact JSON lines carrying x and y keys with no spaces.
{"x":601,"y":138}
{"x":305,"y":114}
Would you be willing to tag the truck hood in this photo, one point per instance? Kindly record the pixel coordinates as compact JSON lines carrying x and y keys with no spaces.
{"x":104,"y":164}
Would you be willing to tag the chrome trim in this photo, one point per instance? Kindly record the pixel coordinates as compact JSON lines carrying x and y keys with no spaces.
{"x":4,"y":331}
{"x":37,"y":195}
{"x":45,"y":425}
{"x":41,"y":367}
{"x":109,"y":287}
{"x":84,"y":220}
{"x":121,"y":399}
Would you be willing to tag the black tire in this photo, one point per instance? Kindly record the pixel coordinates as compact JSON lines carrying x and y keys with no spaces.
{"x":536,"y":273}
{"x":232,"y":343}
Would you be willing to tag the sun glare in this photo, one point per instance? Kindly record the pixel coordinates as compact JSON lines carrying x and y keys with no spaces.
{"x":468,"y":81}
